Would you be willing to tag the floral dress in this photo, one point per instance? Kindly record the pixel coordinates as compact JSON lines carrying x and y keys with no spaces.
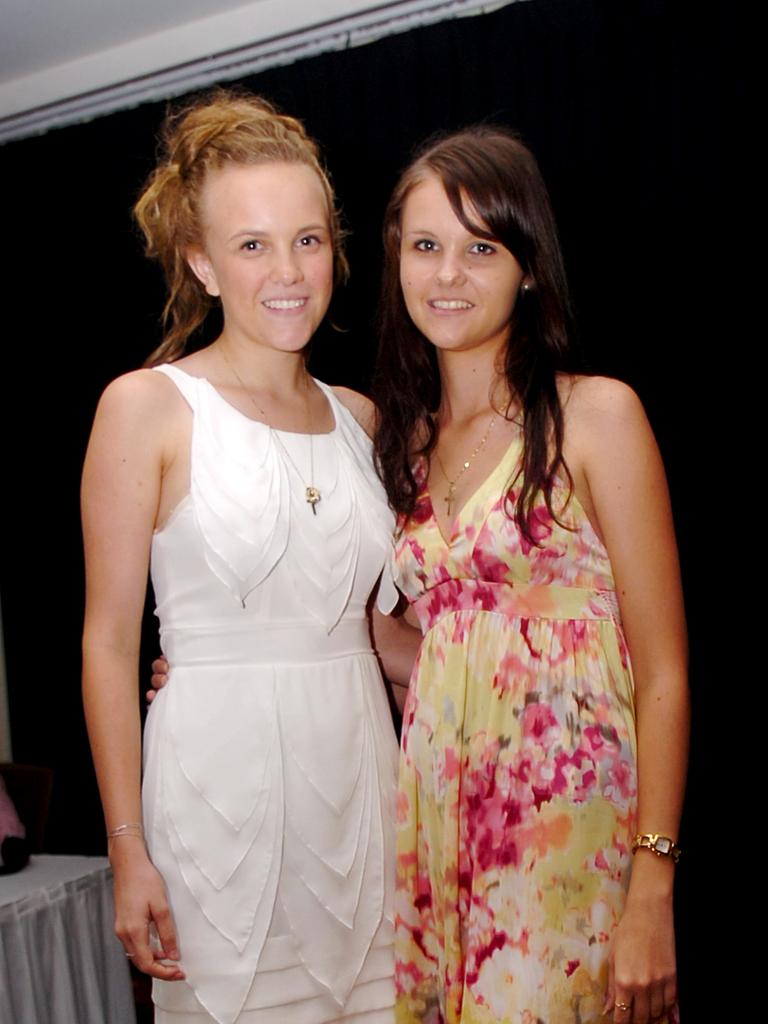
{"x":517,"y":774}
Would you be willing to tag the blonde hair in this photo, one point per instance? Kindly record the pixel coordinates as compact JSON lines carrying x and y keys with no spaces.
{"x":223,"y":127}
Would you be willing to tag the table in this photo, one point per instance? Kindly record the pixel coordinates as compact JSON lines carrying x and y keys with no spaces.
{"x":60,"y":962}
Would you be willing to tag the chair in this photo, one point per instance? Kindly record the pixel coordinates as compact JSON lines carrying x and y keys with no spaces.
{"x":29,"y":787}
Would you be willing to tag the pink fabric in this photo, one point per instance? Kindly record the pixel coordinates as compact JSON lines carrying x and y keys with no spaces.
{"x":10,"y":825}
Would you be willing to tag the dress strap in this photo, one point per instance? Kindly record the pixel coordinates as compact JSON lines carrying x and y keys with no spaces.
{"x":374,"y":509}
{"x":238,"y":487}
{"x":185,"y":382}
{"x":339,"y":410}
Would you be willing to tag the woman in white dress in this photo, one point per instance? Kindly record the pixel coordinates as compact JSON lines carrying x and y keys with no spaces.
{"x":253,"y":878}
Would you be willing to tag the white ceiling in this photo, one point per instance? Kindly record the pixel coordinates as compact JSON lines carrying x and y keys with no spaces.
{"x":38,"y":34}
{"x":69,"y":60}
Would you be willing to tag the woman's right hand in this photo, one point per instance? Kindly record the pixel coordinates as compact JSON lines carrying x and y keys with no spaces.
{"x":160,"y":669}
{"x":141,"y":901}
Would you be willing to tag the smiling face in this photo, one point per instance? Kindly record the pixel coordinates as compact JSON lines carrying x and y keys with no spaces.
{"x":266,"y":251}
{"x":459,"y":288}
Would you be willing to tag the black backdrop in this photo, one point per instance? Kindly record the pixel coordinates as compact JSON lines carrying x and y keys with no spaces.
{"x":628,"y":107}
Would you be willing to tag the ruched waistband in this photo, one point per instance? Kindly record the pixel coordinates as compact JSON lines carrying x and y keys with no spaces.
{"x":268,"y":643}
{"x":525,"y":600}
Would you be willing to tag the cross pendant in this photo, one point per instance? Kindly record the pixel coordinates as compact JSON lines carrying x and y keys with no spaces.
{"x":312,"y":496}
{"x":448,"y":499}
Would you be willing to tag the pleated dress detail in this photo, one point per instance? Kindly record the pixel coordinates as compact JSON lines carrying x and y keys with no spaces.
{"x":270,"y":758}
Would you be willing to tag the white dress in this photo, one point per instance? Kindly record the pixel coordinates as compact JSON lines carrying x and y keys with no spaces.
{"x":270,"y":760}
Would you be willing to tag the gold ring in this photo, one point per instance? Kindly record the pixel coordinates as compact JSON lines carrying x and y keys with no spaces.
{"x":623,"y":1006}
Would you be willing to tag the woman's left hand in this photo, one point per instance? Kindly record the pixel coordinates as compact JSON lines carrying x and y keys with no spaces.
{"x":160,"y":670}
{"x":620,"y":477}
{"x":642,"y":983}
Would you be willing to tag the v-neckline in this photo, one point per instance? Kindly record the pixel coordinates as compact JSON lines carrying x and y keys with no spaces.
{"x":455,"y":522}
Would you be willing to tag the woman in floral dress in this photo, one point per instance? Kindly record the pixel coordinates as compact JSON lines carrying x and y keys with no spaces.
{"x":545,"y":732}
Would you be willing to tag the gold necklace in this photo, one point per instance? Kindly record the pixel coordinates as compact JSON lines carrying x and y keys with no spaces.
{"x":448,"y":499}
{"x":311,"y":493}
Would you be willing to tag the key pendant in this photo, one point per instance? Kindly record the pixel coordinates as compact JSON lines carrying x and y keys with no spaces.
{"x":312,"y":496}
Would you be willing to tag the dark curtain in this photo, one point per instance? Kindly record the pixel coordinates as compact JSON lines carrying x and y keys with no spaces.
{"x":630,"y":109}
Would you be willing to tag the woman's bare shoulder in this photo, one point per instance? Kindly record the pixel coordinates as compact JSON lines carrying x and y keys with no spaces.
{"x":141,"y":408}
{"x":596,"y":403}
{"x":139,"y":393}
{"x":362,"y":408}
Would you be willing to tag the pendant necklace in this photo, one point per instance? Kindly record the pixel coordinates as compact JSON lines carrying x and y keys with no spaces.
{"x":311,"y":493}
{"x":448,"y":499}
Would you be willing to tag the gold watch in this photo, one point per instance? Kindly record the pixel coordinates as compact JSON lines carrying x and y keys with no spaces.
{"x":662,"y":846}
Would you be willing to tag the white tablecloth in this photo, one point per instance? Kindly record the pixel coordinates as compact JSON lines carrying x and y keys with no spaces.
{"x":60,"y":962}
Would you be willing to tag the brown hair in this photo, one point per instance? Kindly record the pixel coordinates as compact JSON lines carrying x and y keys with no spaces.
{"x":222,"y":127}
{"x":489,"y":168}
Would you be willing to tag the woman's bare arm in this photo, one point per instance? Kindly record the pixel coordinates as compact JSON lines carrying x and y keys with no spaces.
{"x":120,"y":495}
{"x":397,"y":642}
{"x":615,"y":454}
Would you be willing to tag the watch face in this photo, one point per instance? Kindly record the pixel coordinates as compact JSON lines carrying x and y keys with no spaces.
{"x":663,"y":845}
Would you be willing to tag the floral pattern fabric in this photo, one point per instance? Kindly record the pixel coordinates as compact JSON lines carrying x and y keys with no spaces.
{"x":517,"y":775}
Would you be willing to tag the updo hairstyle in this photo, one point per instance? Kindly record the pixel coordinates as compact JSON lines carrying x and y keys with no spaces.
{"x":221,"y":128}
